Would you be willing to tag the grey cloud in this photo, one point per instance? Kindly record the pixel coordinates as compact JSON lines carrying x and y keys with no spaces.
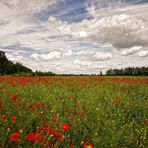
{"x":122,"y":31}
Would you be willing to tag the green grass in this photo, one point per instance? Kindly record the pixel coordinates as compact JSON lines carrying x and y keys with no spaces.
{"x":106,"y":113}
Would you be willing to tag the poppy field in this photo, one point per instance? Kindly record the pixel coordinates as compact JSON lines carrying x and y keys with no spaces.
{"x":73,"y":112}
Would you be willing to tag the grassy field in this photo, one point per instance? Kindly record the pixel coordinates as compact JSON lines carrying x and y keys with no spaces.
{"x":74,"y":112}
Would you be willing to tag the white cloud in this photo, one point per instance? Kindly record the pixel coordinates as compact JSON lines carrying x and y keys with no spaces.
{"x":68,"y":53}
{"x":129,"y":51}
{"x":95,"y":56}
{"x":14,"y":57}
{"x":49,"y":56}
{"x":123,"y":32}
{"x":85,"y":53}
{"x":101,"y":56}
{"x":82,"y":63}
{"x":142,"y":53}
{"x":59,"y":64}
{"x":19,"y":23}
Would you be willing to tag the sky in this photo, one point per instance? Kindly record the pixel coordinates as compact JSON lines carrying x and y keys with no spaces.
{"x":75,"y":36}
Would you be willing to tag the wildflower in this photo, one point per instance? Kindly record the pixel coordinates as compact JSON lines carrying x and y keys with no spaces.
{"x":87,"y":144}
{"x":34,"y":137}
{"x":71,"y":111}
{"x":1,"y":105}
{"x":39,"y":129}
{"x":116,"y":101}
{"x":4,"y":117}
{"x":50,"y":131}
{"x":37,"y":106}
{"x":41,"y":115}
{"x":17,"y":103}
{"x":45,"y":124}
{"x":54,"y":116}
{"x":15,"y":137}
{"x":8,"y":92}
{"x":65,"y":126}
{"x":78,"y":105}
{"x":14,"y":119}
{"x":21,"y":130}
{"x":13,"y":98}
{"x":59,"y":134}
{"x":72,"y":118}
{"x":31,"y":108}
{"x":146,"y":121}
{"x":69,"y":98}
{"x":56,"y":123}
{"x":76,"y":97}
{"x":71,"y":146}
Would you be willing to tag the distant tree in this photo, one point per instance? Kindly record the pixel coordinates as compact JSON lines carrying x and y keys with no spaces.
{"x":101,"y":73}
{"x":129,"y":71}
{"x":8,"y":67}
{"x":39,"y":73}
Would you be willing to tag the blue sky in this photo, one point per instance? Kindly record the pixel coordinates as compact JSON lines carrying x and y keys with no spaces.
{"x":75,"y":36}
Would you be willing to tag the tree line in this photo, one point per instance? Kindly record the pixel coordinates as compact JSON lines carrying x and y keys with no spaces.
{"x":130,"y":71}
{"x":7,"y":67}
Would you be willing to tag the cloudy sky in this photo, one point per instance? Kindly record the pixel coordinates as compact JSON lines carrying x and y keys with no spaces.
{"x":75,"y":36}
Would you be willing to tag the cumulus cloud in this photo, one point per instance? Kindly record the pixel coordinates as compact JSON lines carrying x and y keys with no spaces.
{"x":142,"y":53}
{"x":68,"y":53}
{"x":82,"y":63}
{"x":49,"y":56}
{"x":101,"y":56}
{"x":59,"y":64}
{"x":129,"y":51}
{"x":95,"y":56}
{"x":122,"y":31}
{"x":117,"y":30}
{"x":15,"y":57}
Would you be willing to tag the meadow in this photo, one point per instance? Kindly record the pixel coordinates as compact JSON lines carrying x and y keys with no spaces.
{"x":73,"y":112}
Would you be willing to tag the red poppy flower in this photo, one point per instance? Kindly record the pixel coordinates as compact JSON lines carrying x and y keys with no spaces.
{"x":56,"y":123}
{"x":39,"y":129}
{"x":71,"y":146}
{"x":41,"y":115}
{"x":45,"y":124}
{"x":78,"y":105}
{"x":14,"y":97}
{"x":50,"y":131}
{"x":2,"y":105}
{"x":87,"y":144}
{"x":72,"y":118}
{"x":146,"y":121}
{"x":54,"y":116}
{"x":65,"y":126}
{"x":116,"y":101}
{"x":71,"y":111}
{"x":8,"y":92}
{"x":14,"y":119}
{"x":59,"y":134}
{"x":34,"y":137}
{"x":15,"y":137}
{"x":4,"y":117}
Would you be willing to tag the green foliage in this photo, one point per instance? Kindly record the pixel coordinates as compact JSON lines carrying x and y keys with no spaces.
{"x":39,"y":73}
{"x":9,"y":68}
{"x":130,"y":71}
